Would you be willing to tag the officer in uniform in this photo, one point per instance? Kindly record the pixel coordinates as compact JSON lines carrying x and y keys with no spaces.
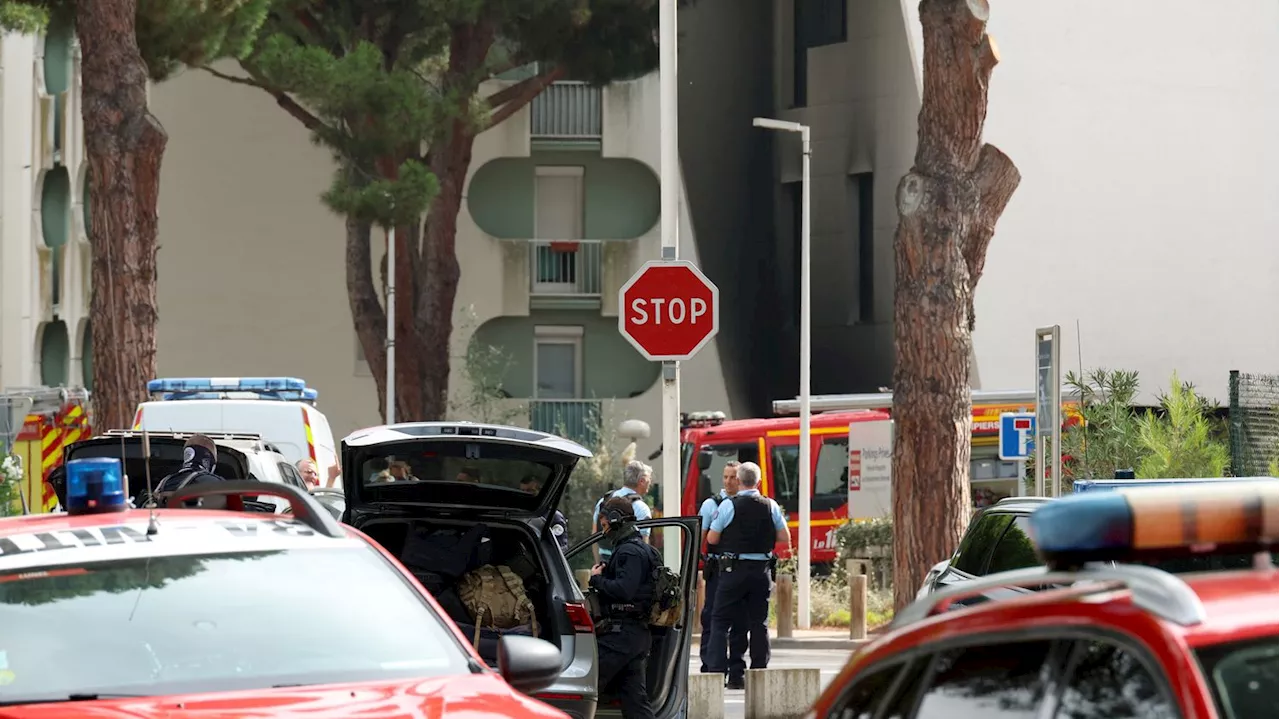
{"x":710,"y":560}
{"x":625,"y":588}
{"x":636,"y":477}
{"x":745,"y":529}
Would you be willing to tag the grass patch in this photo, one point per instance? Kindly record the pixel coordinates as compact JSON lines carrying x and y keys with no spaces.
{"x":829,"y":605}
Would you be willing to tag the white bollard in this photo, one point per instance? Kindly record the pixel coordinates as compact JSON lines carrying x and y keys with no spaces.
{"x":780,"y":693}
{"x":706,"y":696}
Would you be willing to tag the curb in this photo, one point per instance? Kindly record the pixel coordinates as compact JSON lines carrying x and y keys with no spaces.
{"x":811,"y":644}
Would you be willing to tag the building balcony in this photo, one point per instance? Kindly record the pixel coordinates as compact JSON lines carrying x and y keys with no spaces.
{"x":573,"y":419}
{"x":566,"y":270}
{"x":568,"y":112}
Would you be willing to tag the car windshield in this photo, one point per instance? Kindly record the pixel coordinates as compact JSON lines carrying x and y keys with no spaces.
{"x":1242,"y":676}
{"x":214,"y":622}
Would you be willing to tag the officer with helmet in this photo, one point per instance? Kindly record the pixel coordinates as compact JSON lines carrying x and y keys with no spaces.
{"x":745,"y":530}
{"x":711,"y":560}
{"x":625,"y":586}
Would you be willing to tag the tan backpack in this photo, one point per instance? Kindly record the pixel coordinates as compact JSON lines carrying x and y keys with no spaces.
{"x":496,"y":598}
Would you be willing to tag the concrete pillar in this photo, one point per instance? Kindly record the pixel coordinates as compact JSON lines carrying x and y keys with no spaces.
{"x":858,"y":606}
{"x":780,"y":693}
{"x":784,"y":594}
{"x":706,"y":696}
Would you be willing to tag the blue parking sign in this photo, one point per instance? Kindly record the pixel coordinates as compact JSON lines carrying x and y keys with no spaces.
{"x":1017,"y":435}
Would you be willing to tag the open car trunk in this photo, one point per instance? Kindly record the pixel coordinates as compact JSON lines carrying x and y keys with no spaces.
{"x":440,"y":552}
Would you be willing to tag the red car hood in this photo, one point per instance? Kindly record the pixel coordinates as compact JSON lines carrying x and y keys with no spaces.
{"x":480,"y":696}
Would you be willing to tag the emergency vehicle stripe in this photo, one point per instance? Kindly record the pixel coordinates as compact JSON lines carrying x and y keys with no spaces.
{"x":311,"y":442}
{"x":50,"y":457}
{"x":137,"y":419}
{"x":764,"y":473}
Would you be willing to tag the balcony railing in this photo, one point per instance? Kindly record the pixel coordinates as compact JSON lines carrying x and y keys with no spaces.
{"x":567,"y":111}
{"x":575,"y":419}
{"x":565,"y":268}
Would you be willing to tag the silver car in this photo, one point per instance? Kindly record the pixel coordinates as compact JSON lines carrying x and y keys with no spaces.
{"x":445,"y":498}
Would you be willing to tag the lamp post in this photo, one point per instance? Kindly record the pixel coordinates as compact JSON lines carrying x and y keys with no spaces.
{"x":391,"y":324}
{"x":805,"y":548}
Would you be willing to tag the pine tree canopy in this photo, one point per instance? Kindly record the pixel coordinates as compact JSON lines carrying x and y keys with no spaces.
{"x":170,"y":33}
{"x":377,"y":81}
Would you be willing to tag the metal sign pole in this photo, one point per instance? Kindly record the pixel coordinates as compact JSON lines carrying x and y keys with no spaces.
{"x":669,"y":169}
{"x":1048,"y":409}
{"x":391,"y":325}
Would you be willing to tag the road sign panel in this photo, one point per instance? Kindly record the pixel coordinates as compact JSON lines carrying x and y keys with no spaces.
{"x":668,"y":310}
{"x":1017,"y":435}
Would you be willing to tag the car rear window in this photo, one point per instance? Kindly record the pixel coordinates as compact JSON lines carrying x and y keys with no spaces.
{"x":1242,"y":676}
{"x":487,"y":473}
{"x":215,"y":622}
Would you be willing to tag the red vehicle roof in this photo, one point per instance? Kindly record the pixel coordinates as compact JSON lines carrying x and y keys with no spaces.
{"x":761,"y":426}
{"x":1239,"y":605}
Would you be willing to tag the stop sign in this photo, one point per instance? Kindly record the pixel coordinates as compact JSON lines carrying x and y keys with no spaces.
{"x":668,"y":310}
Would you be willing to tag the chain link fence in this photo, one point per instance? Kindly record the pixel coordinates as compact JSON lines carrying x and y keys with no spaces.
{"x":1254,"y":423}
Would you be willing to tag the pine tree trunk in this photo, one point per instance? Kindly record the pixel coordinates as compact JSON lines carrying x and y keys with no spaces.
{"x":948,"y":205}
{"x":124,"y":144}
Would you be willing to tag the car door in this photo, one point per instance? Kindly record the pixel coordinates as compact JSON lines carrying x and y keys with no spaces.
{"x":668,"y":665}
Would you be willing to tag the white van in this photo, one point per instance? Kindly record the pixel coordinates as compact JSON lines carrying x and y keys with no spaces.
{"x":280,"y":409}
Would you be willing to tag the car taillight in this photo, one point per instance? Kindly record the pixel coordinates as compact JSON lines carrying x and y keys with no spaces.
{"x":580,"y":618}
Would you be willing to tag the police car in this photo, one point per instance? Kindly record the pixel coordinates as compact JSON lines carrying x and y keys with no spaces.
{"x":240,"y":456}
{"x":1117,"y":640}
{"x":133,"y":613}
{"x":280,"y":409}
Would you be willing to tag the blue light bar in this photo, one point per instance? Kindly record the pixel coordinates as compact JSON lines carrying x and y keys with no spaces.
{"x":306,"y":395}
{"x":95,"y":485}
{"x":226,"y":384}
{"x":1158,"y":522}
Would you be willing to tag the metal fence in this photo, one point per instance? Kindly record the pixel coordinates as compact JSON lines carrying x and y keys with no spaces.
{"x":1254,"y":423}
{"x":575,"y":419}
{"x":566,"y":268}
{"x":567,"y":110}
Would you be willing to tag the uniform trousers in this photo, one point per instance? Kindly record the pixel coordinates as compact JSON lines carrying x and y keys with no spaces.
{"x":708,"y":607}
{"x":624,"y":649}
{"x":742,"y":613}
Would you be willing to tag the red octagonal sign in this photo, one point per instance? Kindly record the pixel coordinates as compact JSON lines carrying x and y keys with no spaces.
{"x":668,"y":310}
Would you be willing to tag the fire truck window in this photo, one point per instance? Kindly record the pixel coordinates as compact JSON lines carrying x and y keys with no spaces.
{"x":831,"y":477}
{"x":786,"y":467}
{"x":711,"y":481}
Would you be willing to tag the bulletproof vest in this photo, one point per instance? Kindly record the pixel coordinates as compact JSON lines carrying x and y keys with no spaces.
{"x":604,"y":544}
{"x":643,"y":600}
{"x":714,"y":548}
{"x":751,"y":530}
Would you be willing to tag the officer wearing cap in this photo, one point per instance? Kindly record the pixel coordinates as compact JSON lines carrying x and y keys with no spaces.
{"x":711,"y":559}
{"x":745,"y":528}
{"x":625,"y":587}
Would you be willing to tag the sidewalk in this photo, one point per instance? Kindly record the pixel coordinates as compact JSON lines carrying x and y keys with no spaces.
{"x":813,"y":640}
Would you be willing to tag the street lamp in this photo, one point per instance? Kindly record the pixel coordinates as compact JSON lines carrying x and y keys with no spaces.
{"x":806,"y":465}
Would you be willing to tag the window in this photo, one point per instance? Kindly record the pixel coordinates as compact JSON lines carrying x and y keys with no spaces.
{"x":291,"y":476}
{"x":978,"y":542}
{"x":1107,"y":680}
{"x":216,"y":622}
{"x":557,"y":362}
{"x":1015,"y":549}
{"x":821,"y":22}
{"x":709,"y":480}
{"x":1242,"y":676}
{"x":831,"y":476}
{"x":785,"y":476}
{"x":861,"y":202}
{"x":998,"y":681}
{"x":861,"y":701}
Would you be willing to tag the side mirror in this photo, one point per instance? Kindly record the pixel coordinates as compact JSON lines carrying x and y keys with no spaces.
{"x":528,"y":664}
{"x":704,"y":460}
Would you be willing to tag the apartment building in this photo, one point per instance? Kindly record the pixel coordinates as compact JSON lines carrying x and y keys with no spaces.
{"x":45,"y":336}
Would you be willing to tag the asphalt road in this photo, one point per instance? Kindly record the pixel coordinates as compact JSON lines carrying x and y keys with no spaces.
{"x":828,"y":662}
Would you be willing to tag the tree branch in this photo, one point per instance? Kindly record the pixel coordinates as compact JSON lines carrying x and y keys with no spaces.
{"x":287,"y":103}
{"x":509,"y":93}
{"x":524,"y":92}
{"x":996,"y":178}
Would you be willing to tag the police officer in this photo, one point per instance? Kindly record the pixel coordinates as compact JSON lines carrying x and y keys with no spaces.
{"x":636,"y":477}
{"x":559,"y":525}
{"x":745,"y":528}
{"x":625,"y":586}
{"x":710,"y":560}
